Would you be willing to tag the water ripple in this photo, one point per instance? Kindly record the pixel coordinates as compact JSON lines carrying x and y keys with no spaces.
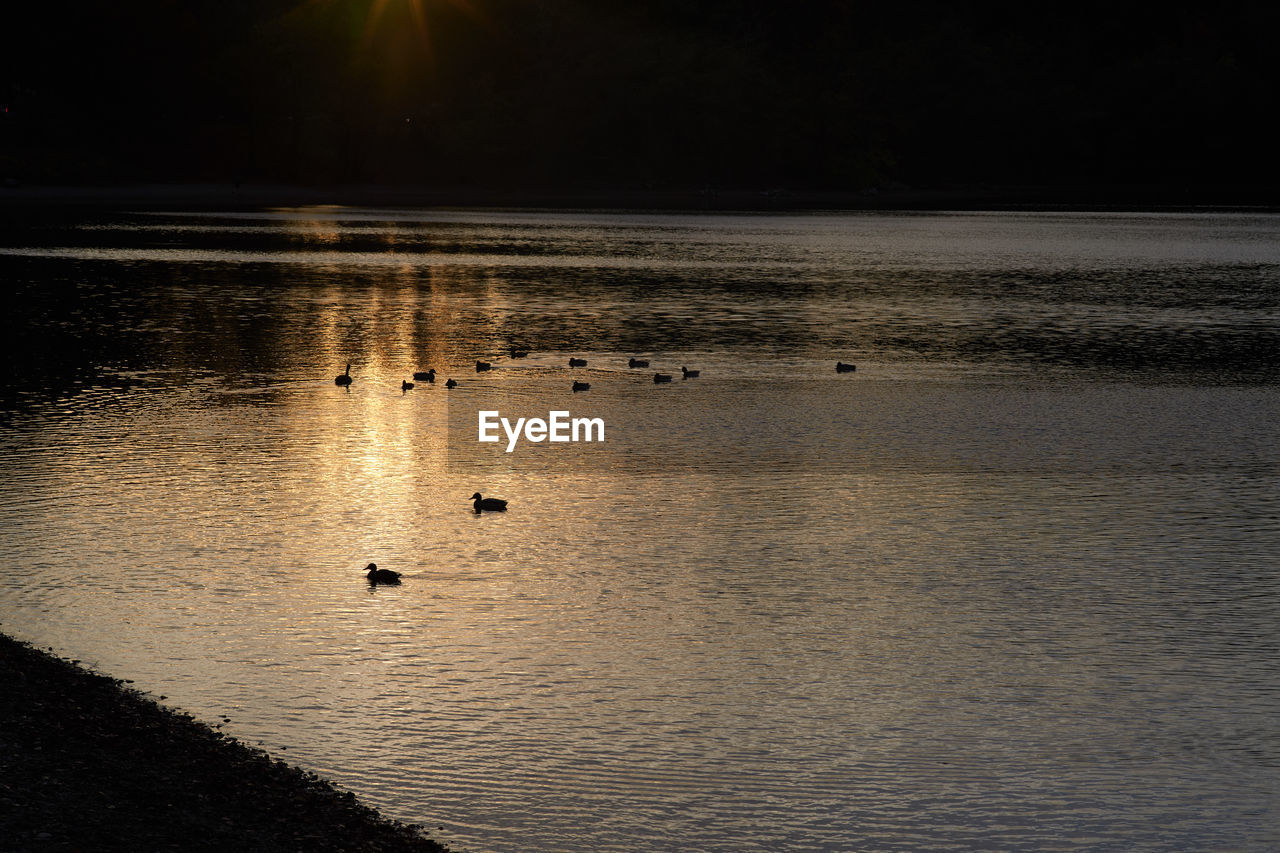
{"x":1010,"y":585}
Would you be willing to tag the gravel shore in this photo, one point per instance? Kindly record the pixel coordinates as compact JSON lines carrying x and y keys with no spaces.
{"x":88,"y":764}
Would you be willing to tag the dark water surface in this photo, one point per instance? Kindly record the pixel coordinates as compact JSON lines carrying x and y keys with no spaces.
{"x":1013,"y":584}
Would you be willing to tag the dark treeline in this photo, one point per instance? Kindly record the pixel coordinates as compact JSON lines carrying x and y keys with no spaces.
{"x":642,"y":93}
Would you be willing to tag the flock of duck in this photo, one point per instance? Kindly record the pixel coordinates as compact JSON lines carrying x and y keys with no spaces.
{"x":429,"y":376}
{"x":480,"y":503}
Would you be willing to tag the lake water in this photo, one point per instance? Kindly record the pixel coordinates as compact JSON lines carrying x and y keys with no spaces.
{"x":1014,"y":584}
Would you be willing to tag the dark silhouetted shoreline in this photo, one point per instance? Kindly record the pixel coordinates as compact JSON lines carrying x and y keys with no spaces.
{"x":213,"y":197}
{"x":87,"y":763}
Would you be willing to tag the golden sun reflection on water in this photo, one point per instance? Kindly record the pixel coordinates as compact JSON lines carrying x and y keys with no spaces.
{"x":320,"y":232}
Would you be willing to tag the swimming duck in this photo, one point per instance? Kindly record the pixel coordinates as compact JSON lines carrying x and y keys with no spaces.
{"x":377,"y":575}
{"x":490,"y":504}
{"x":344,"y":379}
{"x":482,"y":365}
{"x":406,"y":385}
{"x":519,"y":353}
{"x":661,"y":377}
{"x":690,"y":374}
{"x":428,"y":376}
{"x":841,"y":367}
{"x":452,"y":383}
{"x":582,"y":386}
{"x":577,"y":362}
{"x":638,"y":362}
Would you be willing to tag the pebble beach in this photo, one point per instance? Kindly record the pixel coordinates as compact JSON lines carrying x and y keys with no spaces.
{"x":89,"y":764}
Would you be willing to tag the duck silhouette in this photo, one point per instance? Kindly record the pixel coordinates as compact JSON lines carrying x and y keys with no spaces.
{"x":427,"y":376}
{"x":690,"y":374}
{"x":841,"y":367}
{"x":519,"y":353}
{"x":345,"y":378}
{"x":406,"y":385}
{"x":582,"y":386}
{"x":483,"y":365}
{"x":661,"y":377}
{"x":638,"y":362}
{"x":577,"y":362}
{"x":377,"y":575}
{"x":489,"y":504}
{"x":452,"y":383}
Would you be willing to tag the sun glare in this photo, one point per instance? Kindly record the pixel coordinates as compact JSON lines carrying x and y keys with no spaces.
{"x":417,"y":12}
{"x":379,"y":9}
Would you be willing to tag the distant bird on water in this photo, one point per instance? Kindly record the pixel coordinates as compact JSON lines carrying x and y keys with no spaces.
{"x":519,"y":353}
{"x":690,"y":374}
{"x":582,"y":386}
{"x":452,"y":383}
{"x":406,"y":385}
{"x":577,"y":362}
{"x":483,"y":365}
{"x":428,"y":376}
{"x":638,"y":362}
{"x":345,"y":378}
{"x":661,"y":377}
{"x":841,"y":367}
{"x":489,"y":504}
{"x":377,"y":575}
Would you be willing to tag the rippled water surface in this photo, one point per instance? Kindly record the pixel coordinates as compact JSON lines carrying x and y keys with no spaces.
{"x":1011,"y":585}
